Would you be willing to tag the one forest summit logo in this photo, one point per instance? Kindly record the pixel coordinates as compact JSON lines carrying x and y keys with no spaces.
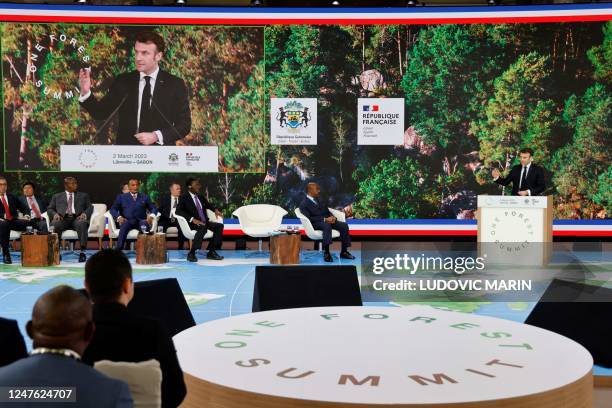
{"x":48,"y":48}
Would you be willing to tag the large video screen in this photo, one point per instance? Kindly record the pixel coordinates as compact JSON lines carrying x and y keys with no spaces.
{"x":205,"y":77}
{"x":393,"y":121}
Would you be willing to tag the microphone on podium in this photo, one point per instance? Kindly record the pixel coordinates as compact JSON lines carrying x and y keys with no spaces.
{"x":165,"y":118}
{"x":112,"y":115}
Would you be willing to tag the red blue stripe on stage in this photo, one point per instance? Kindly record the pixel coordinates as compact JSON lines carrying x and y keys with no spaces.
{"x":264,"y":16}
{"x":443,"y":228}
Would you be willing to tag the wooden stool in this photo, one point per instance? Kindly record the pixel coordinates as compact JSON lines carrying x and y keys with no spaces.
{"x":39,"y":250}
{"x":151,"y":249}
{"x":285,"y":249}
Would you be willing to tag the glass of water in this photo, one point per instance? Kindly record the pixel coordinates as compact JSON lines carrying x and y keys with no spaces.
{"x":29,"y":229}
{"x":51,"y":229}
{"x":160,"y":230}
{"x":143,"y":228}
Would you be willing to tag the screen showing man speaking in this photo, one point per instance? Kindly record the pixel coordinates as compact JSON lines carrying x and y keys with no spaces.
{"x":125,"y":98}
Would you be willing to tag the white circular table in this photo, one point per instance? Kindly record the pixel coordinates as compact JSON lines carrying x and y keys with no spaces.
{"x":414,"y":356}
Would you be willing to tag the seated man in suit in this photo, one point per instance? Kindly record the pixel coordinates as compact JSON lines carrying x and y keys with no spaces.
{"x":36,"y":204}
{"x":71,"y":209}
{"x":527,"y":178}
{"x":123,"y":336}
{"x":130,"y":211}
{"x":61,"y":328}
{"x":9,"y":209}
{"x":192,"y":206}
{"x":167,"y":209}
{"x":322,"y":219}
{"x":13,"y":346}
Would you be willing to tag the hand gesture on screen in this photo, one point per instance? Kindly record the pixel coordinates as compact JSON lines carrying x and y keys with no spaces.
{"x":84,"y":81}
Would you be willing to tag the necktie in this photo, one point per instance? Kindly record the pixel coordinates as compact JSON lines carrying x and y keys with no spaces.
{"x":174,"y":202}
{"x":7,"y":211}
{"x":34,"y":208}
{"x":145,"y":108}
{"x":69,"y":211}
{"x":523,"y":177}
{"x":199,"y":207}
{"x":134,"y":196}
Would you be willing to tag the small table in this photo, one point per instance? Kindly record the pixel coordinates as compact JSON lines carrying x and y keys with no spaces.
{"x":39,"y":250}
{"x":285,"y":249}
{"x":401,"y":357}
{"x":151,"y":249}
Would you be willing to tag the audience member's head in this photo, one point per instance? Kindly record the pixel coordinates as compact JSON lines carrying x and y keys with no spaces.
{"x":108,"y":277}
{"x":70,"y":184}
{"x":175,"y":189}
{"x":61,"y":318}
{"x":28,"y":188}
{"x":133,"y":186}
{"x":313,"y":189}
{"x":3,"y":185}
{"x":125,"y":188}
{"x":193,"y":185}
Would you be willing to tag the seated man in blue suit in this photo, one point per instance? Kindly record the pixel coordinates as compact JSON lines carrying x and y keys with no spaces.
{"x":322,"y":219}
{"x":61,"y":328}
{"x":130,"y":211}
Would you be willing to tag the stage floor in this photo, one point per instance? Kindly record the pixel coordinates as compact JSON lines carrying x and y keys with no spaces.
{"x":213,"y":289}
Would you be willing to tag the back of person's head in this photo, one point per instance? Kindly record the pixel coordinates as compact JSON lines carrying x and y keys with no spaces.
{"x":61,"y":318}
{"x":108,"y":277}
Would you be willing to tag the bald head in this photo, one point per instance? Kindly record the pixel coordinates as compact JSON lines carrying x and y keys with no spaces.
{"x":313,"y":189}
{"x":61,"y":318}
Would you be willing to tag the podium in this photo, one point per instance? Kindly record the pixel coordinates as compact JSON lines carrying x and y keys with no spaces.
{"x":517,"y":228}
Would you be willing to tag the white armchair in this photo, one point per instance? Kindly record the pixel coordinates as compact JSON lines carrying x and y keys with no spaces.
{"x":317,"y":235}
{"x":143,"y":378}
{"x":260,"y":220}
{"x":96,"y":226}
{"x":189,"y":233}
{"x":113,"y":230}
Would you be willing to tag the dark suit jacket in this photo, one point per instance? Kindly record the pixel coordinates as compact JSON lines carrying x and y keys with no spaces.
{"x":535,"y":179}
{"x":42,"y":204}
{"x":186,"y":207}
{"x":13,"y":347}
{"x":123,"y":336}
{"x":315,"y":213}
{"x":127,"y":207}
{"x":14,"y":205}
{"x":59,"y":205}
{"x":93,"y":389}
{"x":170,"y":107}
{"x":165,"y":207}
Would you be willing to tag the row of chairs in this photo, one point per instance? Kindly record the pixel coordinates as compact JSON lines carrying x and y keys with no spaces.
{"x":256,"y":220}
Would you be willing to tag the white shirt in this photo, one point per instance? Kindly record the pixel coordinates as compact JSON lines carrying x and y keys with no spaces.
{"x":67,"y":201}
{"x":7,"y":203}
{"x":173,"y":201}
{"x":141,"y":85}
{"x":33,"y":201}
{"x":525,"y":168}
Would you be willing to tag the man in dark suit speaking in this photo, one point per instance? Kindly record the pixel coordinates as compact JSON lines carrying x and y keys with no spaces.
{"x":152,"y":104}
{"x":527,"y":178}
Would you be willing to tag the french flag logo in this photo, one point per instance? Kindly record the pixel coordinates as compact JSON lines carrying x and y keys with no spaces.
{"x":370,"y":108}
